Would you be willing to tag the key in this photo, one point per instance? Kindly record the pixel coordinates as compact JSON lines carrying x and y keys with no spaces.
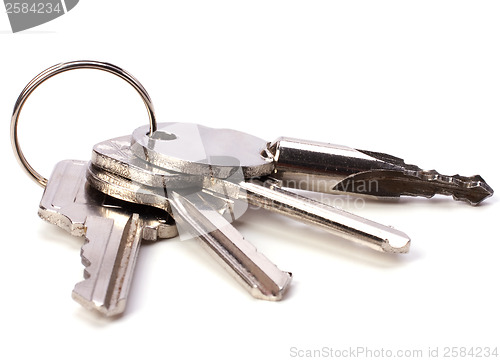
{"x":254,"y":271}
{"x":309,"y":165}
{"x":198,"y":217}
{"x":113,"y":231}
{"x":300,"y":164}
{"x":267,"y":194}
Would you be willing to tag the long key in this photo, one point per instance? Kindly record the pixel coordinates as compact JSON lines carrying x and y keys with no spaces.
{"x":266,"y":194}
{"x":113,"y":232}
{"x":269,"y":194}
{"x":300,"y":164}
{"x":198,"y":217}
{"x":330,"y":168}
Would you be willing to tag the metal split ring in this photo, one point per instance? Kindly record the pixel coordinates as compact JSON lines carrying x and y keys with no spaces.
{"x":57,"y":69}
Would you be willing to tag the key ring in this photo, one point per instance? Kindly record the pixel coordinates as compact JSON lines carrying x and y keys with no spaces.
{"x":60,"y":68}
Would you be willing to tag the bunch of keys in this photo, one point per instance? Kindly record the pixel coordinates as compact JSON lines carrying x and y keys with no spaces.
{"x":176,"y":178}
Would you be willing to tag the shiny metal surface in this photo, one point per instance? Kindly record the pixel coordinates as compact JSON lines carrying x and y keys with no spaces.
{"x":208,"y":222}
{"x":195,"y":215}
{"x":196,"y":149}
{"x":329,"y":168}
{"x":109,"y":256}
{"x":300,"y":164}
{"x":116,"y":156}
{"x":268,"y":195}
{"x":57,"y":69}
{"x":121,"y":188}
{"x":113,"y":232}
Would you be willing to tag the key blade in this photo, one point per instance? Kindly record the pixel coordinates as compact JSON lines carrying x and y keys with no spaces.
{"x":252,"y":269}
{"x":420,"y":183}
{"x":330,"y":168}
{"x":109,"y":255}
{"x":269,"y":195}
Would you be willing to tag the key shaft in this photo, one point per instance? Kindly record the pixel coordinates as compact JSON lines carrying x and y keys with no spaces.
{"x":269,"y":195}
{"x":251,"y":268}
{"x":109,"y":255}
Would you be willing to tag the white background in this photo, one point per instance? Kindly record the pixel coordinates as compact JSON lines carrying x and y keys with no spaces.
{"x":419,"y":80}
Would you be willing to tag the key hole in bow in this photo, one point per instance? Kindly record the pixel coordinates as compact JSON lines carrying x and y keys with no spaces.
{"x":161,"y":135}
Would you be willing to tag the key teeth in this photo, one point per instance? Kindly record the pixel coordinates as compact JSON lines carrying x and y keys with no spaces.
{"x":477,"y":182}
{"x":81,"y":286}
{"x":475,"y":189}
{"x":83,"y":292}
{"x":90,"y":303}
{"x":472,"y":189}
{"x":85,"y":261}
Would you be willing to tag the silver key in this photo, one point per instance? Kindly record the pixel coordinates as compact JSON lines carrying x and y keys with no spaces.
{"x":298,"y":163}
{"x":198,"y":217}
{"x":195,"y":215}
{"x":267,"y":194}
{"x":339,"y":169}
{"x":113,"y":232}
